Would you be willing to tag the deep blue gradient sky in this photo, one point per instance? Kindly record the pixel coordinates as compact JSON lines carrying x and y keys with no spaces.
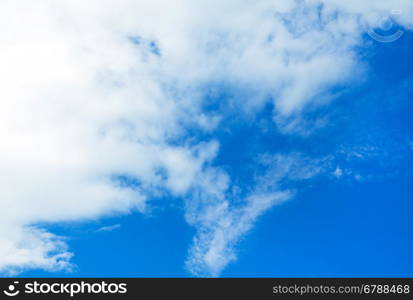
{"x":357,"y":225}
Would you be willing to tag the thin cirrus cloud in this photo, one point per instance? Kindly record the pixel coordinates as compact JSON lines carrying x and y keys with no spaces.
{"x":109,"y":228}
{"x":98,"y":98}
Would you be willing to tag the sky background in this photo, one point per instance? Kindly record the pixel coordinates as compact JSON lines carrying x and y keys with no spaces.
{"x":287,"y":154}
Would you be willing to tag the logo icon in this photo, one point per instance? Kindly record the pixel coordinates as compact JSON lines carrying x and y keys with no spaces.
{"x":12,"y":291}
{"x":386,"y":29}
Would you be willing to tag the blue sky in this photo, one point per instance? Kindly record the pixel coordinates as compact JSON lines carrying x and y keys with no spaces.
{"x":333,"y":227}
{"x":207,"y":146}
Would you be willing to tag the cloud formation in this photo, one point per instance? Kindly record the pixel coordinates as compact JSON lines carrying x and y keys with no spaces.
{"x":99,"y":99}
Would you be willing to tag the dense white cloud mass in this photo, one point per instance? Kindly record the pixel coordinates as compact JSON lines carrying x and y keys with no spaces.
{"x":96,"y":95}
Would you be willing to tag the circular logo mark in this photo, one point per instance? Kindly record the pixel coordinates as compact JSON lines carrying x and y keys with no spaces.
{"x":11,"y":290}
{"x":386,"y":29}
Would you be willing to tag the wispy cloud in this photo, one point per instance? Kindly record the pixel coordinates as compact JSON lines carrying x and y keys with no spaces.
{"x":109,"y":228}
{"x":223,"y":219}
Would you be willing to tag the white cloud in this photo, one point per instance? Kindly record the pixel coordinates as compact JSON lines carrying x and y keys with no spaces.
{"x":221,"y":222}
{"x":109,"y":228}
{"x":220,"y":229}
{"x":338,"y":172}
{"x":82,"y":104}
{"x":29,"y":247}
